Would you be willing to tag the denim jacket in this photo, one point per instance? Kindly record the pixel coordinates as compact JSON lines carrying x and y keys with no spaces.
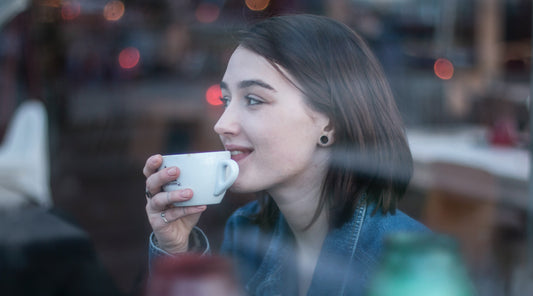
{"x":349,"y":255}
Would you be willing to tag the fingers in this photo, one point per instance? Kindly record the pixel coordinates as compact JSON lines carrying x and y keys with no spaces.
{"x":158,"y":179}
{"x":164,"y":200}
{"x":174,"y":214}
{"x":152,"y":164}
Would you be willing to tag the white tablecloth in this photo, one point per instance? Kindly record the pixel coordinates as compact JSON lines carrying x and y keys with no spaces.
{"x":468,"y":146}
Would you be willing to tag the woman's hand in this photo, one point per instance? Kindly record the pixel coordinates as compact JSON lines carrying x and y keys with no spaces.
{"x":171,"y":225}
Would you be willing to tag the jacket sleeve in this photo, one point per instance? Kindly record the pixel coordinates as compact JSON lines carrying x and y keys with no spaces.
{"x":198,"y":243}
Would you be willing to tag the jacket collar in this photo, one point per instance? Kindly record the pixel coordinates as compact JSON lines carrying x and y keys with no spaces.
{"x":332,"y":269}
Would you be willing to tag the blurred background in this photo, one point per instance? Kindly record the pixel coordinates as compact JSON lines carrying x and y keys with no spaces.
{"x":122,"y":80}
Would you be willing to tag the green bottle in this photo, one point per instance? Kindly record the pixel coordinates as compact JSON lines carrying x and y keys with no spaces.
{"x":421,"y":265}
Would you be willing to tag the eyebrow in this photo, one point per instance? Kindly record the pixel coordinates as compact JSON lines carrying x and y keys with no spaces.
{"x":249,"y":83}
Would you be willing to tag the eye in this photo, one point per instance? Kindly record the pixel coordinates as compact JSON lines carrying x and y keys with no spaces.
{"x":252,"y":100}
{"x":225,"y":101}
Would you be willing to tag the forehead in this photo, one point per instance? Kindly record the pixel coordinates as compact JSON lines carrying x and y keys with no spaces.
{"x":245,"y":64}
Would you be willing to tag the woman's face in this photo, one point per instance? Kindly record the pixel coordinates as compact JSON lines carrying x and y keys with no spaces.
{"x":268,"y":128}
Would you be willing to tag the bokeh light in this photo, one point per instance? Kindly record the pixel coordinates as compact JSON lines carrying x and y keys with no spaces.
{"x":129,"y":57}
{"x":257,"y":5}
{"x":207,"y":12}
{"x":443,"y":69}
{"x":114,"y":10}
{"x":213,"y":95}
{"x":70,"y":10}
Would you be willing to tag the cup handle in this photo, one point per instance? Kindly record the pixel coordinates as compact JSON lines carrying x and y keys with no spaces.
{"x":223,"y":181}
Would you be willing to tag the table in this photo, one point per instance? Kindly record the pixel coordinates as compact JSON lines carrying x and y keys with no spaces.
{"x":467,"y":146}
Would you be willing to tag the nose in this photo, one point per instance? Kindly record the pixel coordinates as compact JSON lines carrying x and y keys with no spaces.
{"x":228,"y":123}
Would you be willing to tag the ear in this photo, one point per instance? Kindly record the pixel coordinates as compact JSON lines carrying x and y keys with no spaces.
{"x":329,"y":127}
{"x":327,"y":137}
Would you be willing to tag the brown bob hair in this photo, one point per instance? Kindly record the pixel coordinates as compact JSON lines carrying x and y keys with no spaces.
{"x":341,"y":78}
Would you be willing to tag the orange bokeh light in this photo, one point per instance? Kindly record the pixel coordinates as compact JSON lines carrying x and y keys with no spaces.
{"x":443,"y":69}
{"x":70,"y":10}
{"x":213,"y":95}
{"x":257,"y":5}
{"x":207,"y":12}
{"x":114,"y":10}
{"x":129,"y":57}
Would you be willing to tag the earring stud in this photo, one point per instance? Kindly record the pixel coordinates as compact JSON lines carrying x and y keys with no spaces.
{"x":324,"y":140}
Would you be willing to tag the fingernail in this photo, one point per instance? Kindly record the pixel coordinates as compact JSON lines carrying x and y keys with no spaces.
{"x":186,"y":193}
{"x":172,"y":171}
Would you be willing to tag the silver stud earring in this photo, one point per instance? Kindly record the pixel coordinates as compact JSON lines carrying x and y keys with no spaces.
{"x":324,"y":140}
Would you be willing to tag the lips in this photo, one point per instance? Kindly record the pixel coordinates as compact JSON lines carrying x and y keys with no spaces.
{"x":238,"y":153}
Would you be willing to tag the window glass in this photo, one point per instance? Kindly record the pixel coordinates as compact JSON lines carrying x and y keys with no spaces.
{"x":125,"y":79}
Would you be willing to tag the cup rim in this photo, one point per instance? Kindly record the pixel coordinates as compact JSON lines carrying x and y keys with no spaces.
{"x":196,"y":154}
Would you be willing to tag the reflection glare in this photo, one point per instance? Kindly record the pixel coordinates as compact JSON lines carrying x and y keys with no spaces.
{"x":70,"y":10}
{"x":207,"y":13}
{"x":213,"y":95}
{"x":114,"y":10}
{"x":257,"y":5}
{"x":129,"y":57}
{"x":443,"y":69}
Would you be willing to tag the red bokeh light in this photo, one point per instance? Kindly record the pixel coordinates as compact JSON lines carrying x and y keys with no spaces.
{"x":443,"y":69}
{"x":213,"y":95}
{"x":70,"y":10}
{"x":129,"y":57}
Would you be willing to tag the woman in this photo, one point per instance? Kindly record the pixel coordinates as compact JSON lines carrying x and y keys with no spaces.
{"x":311,"y":121}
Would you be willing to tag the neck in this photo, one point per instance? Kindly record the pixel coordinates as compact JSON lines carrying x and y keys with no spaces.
{"x":298,"y":206}
{"x":298,"y":200}
{"x":308,"y":238}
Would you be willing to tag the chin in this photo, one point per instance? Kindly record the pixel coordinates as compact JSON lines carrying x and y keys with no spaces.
{"x":239,"y":187}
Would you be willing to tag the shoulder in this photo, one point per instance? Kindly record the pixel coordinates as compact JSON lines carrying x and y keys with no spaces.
{"x":385,"y":223}
{"x":377,"y":226}
{"x":399,"y":221}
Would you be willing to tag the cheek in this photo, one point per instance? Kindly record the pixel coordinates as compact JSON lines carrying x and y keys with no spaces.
{"x":285,"y":152}
{"x":285,"y":136}
{"x":283,"y":144}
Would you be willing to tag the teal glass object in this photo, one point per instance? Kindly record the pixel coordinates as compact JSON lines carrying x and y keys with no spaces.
{"x":421,"y":264}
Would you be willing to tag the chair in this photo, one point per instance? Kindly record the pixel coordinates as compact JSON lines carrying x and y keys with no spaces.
{"x":24,"y":155}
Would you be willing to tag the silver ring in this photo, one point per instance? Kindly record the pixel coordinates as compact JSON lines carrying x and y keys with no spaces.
{"x":168,"y":197}
{"x":163,"y":217}
{"x":147,"y":193}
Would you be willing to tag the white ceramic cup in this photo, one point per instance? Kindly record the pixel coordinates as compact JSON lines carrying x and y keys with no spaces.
{"x":208,"y":174}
